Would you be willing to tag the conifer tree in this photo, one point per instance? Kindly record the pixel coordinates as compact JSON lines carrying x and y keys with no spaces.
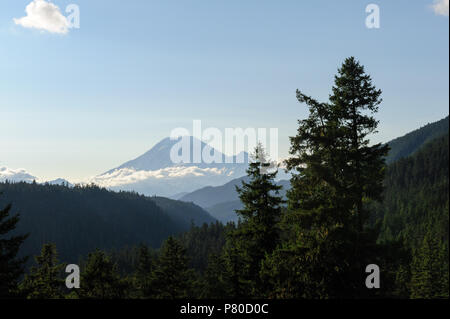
{"x":353,"y":103}
{"x":144,"y":275}
{"x":100,"y":279}
{"x":237,"y":262}
{"x":215,"y":283}
{"x":262,"y":205}
{"x":11,"y":267}
{"x":44,"y":280}
{"x":173,"y":278}
{"x":258,"y":233}
{"x":335,"y":171}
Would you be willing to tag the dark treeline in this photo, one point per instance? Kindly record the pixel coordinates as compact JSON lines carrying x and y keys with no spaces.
{"x":345,"y":210}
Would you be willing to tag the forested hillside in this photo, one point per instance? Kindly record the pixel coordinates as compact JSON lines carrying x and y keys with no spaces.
{"x":408,"y":144}
{"x":186,"y":213}
{"x":415,"y":211}
{"x":416,"y":196}
{"x":81,"y":219}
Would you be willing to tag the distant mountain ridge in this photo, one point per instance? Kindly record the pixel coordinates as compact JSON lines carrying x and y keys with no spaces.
{"x":185,"y":213}
{"x":222,"y":201}
{"x":210,"y":196}
{"x":225,"y":211}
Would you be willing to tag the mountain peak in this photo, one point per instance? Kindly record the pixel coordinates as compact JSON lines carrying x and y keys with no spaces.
{"x":158,"y":157}
{"x":154,"y":172}
{"x":59,"y":181}
{"x":15,"y":175}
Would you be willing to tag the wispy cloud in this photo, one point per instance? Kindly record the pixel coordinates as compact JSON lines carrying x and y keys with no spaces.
{"x":45,"y":16}
{"x":440,"y":7}
{"x":126,"y":176}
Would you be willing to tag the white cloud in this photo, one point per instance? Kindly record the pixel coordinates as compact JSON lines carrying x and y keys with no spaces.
{"x":164,"y":182}
{"x":125,"y":176}
{"x":45,"y":16}
{"x":15,"y":175}
{"x":440,"y":7}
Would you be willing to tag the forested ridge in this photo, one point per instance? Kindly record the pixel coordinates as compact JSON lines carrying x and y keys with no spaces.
{"x":416,"y":195}
{"x":415,"y":212}
{"x":82,"y":218}
{"x":346,"y":209}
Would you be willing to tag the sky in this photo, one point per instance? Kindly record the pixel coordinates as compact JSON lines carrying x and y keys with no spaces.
{"x":76,"y":102}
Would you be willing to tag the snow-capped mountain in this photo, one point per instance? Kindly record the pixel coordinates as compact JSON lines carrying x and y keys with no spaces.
{"x":60,"y":181}
{"x":21,"y":175}
{"x":155,"y":173}
{"x":158,"y":157}
{"x":15,"y":175}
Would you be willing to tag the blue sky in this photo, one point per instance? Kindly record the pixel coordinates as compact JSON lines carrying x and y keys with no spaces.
{"x":77,"y":104}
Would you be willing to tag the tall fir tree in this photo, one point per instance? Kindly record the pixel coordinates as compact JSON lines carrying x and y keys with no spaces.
{"x":44,"y":280}
{"x":258,"y":233}
{"x":353,"y":103}
{"x":11,"y":267}
{"x":262,"y":204}
{"x":335,"y":171}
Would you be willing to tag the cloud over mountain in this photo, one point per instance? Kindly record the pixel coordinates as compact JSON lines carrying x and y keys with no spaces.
{"x":125,"y":176}
{"x":45,"y":16}
{"x":154,"y":172}
{"x":15,"y":175}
